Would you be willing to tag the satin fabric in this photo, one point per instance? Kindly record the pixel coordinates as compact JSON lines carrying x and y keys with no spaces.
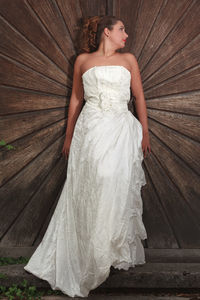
{"x":97,"y":222}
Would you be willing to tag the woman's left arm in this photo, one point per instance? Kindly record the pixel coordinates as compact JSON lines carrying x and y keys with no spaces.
{"x":137,"y":90}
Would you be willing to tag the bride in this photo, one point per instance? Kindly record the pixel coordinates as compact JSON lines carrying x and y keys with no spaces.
{"x":110,"y":36}
{"x":97,"y":222}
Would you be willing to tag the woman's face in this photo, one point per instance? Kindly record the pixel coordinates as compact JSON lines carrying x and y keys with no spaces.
{"x":118,"y":34}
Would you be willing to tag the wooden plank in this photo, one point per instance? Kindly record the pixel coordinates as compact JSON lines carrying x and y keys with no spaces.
{"x":72,"y":14}
{"x":109,"y":7}
{"x":186,"y":103}
{"x":184,"y":124}
{"x":183,"y":60}
{"x":127,"y":11}
{"x":16,"y":126}
{"x":28,"y":223}
{"x":173,"y":255}
{"x":185,"y":179}
{"x":178,"y":199}
{"x":181,"y":33}
{"x":14,"y":74}
{"x":15,"y":100}
{"x":21,"y":16}
{"x":93,"y":8}
{"x":28,"y":148}
{"x":159,"y":233}
{"x":182,"y":83}
{"x":52,"y":19}
{"x":20,"y":49}
{"x":148,"y":10}
{"x":156,"y":276}
{"x":17,"y":192}
{"x":182,"y":146}
{"x":152,"y":255}
{"x":166,"y":20}
{"x":49,"y":216}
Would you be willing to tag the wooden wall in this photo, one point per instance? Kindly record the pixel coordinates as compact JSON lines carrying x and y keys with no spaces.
{"x":37,"y":51}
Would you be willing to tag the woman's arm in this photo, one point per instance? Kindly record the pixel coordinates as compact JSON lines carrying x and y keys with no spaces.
{"x":75,"y":105}
{"x":137,"y":90}
{"x":76,"y":99}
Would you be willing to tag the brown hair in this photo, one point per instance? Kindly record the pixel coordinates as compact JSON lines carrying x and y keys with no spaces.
{"x":92,"y":30}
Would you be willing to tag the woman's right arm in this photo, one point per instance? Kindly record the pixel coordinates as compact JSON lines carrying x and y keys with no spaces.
{"x":75,"y":105}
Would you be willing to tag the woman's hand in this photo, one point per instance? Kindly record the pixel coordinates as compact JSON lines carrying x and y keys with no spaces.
{"x":66,"y":147}
{"x":146,"y":144}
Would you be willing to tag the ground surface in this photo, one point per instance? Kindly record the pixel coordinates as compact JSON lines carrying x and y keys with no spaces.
{"x":174,"y":281}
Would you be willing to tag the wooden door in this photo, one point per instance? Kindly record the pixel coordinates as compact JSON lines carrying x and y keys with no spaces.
{"x":37,"y":51}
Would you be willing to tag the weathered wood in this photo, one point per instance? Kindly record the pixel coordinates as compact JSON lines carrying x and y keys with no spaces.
{"x":180,"y":32}
{"x":72,"y":14}
{"x":48,"y":218}
{"x":149,"y":275}
{"x":15,"y":74}
{"x":182,"y":83}
{"x":185,"y":103}
{"x":48,"y":11}
{"x":16,"y":126}
{"x":17,"y":192}
{"x":173,"y":255}
{"x":93,"y":8}
{"x":16,"y":46}
{"x":159,"y":233}
{"x":36,"y":210}
{"x":183,"y":60}
{"x":152,"y":255}
{"x":184,"y":124}
{"x":181,"y":175}
{"x":142,"y":29}
{"x":168,"y":176}
{"x":128,"y":12}
{"x":182,"y":146}
{"x":26,"y":149}
{"x":39,"y":45}
{"x":21,"y":16}
{"x":15,"y":100}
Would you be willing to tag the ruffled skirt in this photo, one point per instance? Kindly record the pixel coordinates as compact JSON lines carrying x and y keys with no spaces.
{"x":97,"y":222}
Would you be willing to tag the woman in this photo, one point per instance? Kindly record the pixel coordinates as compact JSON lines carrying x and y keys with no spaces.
{"x":97,"y":222}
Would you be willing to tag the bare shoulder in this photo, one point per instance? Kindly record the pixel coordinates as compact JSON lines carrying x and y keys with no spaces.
{"x":81,"y":58}
{"x":131,"y":59}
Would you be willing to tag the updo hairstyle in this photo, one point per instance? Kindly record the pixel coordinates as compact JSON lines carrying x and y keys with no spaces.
{"x":92,"y":31}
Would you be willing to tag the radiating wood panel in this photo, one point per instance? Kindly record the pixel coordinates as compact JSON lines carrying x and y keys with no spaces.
{"x":179,"y":34}
{"x":127,"y":11}
{"x":160,"y":233}
{"x":16,"y":100}
{"x":38,"y":47}
{"x":36,"y":55}
{"x":18,"y":234}
{"x":185,"y":59}
{"x":165,"y":39}
{"x":28,"y":148}
{"x":23,"y":18}
{"x":187,"y":103}
{"x":12,"y":45}
{"x":20,"y":189}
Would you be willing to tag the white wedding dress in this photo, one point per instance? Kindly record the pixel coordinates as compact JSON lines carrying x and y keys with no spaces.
{"x":97,"y":222}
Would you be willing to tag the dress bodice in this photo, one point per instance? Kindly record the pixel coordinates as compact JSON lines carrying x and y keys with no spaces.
{"x":107,"y":87}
